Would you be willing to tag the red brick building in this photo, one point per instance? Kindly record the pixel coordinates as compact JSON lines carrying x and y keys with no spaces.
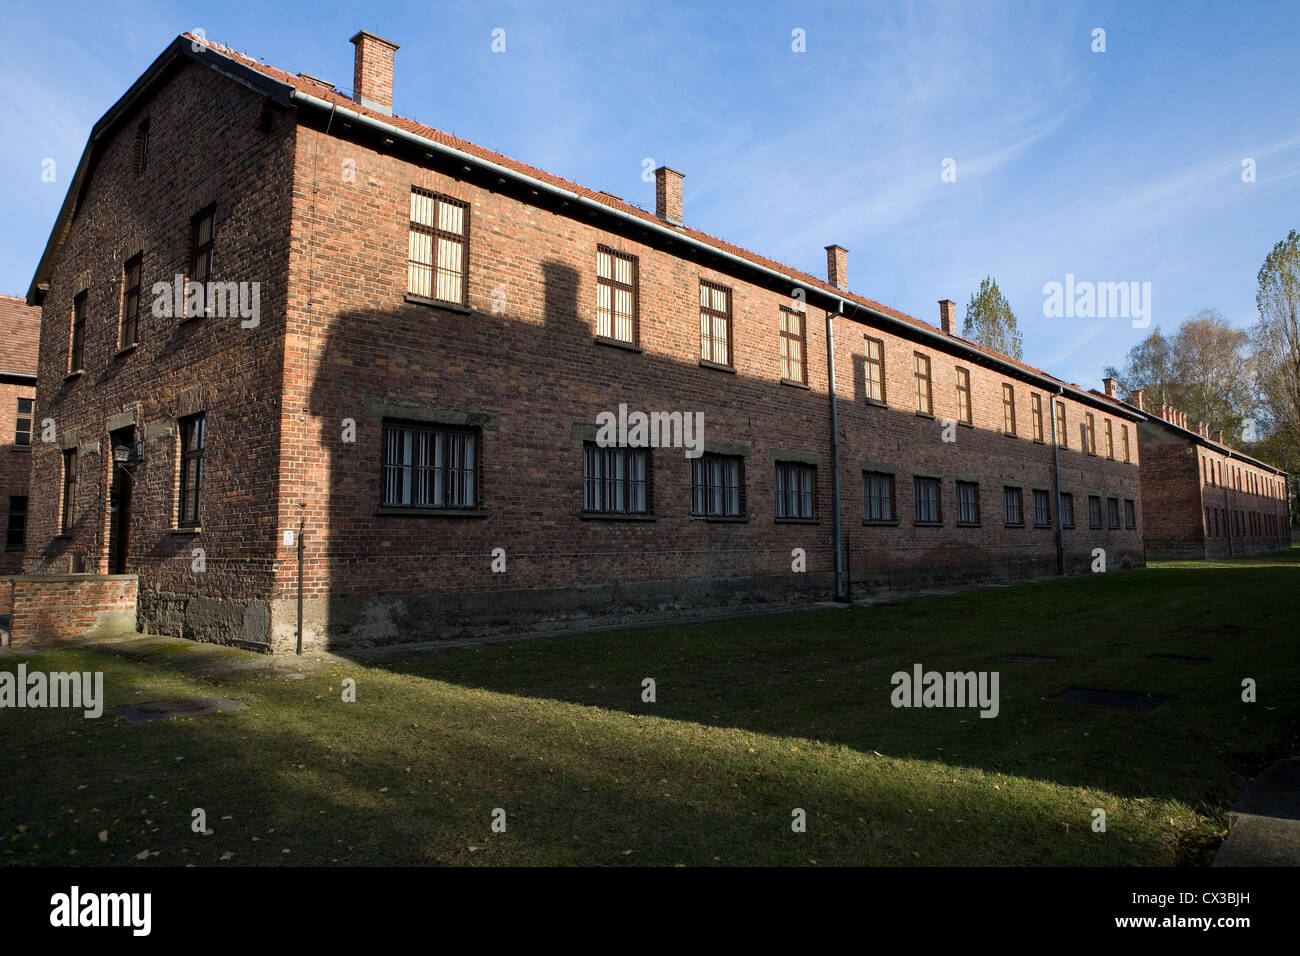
{"x":20,"y":329}
{"x":1202,"y":498}
{"x":416,"y":402}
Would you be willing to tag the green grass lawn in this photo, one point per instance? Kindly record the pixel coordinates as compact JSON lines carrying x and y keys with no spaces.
{"x":752,"y":720}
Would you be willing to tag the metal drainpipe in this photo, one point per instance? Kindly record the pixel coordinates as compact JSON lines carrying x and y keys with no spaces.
{"x":1227,"y":502}
{"x":1056,"y":483}
{"x":835,"y":456}
{"x":302,"y":524}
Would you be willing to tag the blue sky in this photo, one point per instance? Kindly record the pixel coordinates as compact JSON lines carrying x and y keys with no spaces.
{"x":1117,"y":166}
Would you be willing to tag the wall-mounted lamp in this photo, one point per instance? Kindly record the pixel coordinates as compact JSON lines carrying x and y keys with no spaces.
{"x":128,"y":455}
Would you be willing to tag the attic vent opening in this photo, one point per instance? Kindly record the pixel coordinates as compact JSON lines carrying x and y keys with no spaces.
{"x":142,"y":146}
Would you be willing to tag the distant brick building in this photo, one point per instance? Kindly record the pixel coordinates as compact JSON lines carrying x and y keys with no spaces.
{"x":416,"y":402}
{"x":20,"y":327}
{"x":1202,"y":498}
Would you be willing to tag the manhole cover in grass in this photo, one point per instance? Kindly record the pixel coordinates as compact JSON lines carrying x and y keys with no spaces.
{"x":1181,"y":658}
{"x":1138,"y":703}
{"x":1212,"y":629}
{"x":186,"y":707}
{"x":1027,"y":659}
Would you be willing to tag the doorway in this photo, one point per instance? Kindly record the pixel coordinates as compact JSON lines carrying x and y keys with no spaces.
{"x":119,"y":505}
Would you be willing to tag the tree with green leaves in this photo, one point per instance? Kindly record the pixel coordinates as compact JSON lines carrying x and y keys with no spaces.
{"x":990,"y":321}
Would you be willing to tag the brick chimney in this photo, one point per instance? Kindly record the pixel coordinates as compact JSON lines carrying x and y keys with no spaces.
{"x":837,"y":266}
{"x":1200,"y":429}
{"x":668,"y":194}
{"x":1135,"y":399}
{"x":1110,"y":385}
{"x":948,"y":316}
{"x":1218,"y":435}
{"x":372,"y":72}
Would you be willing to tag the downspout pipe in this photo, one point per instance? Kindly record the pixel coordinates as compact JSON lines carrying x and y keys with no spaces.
{"x":1227,"y":500}
{"x":302,"y":527}
{"x":836,"y":531}
{"x":1056,"y":487}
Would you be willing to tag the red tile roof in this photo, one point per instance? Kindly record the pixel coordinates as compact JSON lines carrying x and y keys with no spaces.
{"x":20,"y":333}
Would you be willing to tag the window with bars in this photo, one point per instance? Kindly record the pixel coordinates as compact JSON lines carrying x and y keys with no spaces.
{"x":877,"y":496}
{"x":1094,"y":511}
{"x":438,"y":248}
{"x":1110,"y":439}
{"x":717,"y":486}
{"x":23,"y":422}
{"x":615,"y":480}
{"x":1112,"y":512}
{"x":927,"y":500}
{"x":924,"y":403}
{"x":68,"y":509}
{"x":968,"y":503}
{"x":16,"y":532}
{"x":1042,"y":508}
{"x":616,"y":295}
{"x":874,"y":371}
{"x":1130,"y":514}
{"x":1008,"y":409}
{"x":795,"y":482}
{"x":793,"y":366}
{"x":193,"y":431}
{"x":1067,"y":509}
{"x":1062,"y":436}
{"x":1036,"y":415}
{"x":1013,"y":501}
{"x":715,"y":324}
{"x":78,"y":333}
{"x":964,"y":413}
{"x":1123,"y":436}
{"x":130,"y":324}
{"x":429,"y":466}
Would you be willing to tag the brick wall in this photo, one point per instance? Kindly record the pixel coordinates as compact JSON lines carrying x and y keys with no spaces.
{"x":63,"y":607}
{"x":1256,"y":497}
{"x":897,"y":439}
{"x":1201,"y":502}
{"x":295,"y":408}
{"x":20,"y":327}
{"x":1174,"y":527}
{"x":15,"y":471}
{"x":523,"y":358}
{"x":205,"y":148}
